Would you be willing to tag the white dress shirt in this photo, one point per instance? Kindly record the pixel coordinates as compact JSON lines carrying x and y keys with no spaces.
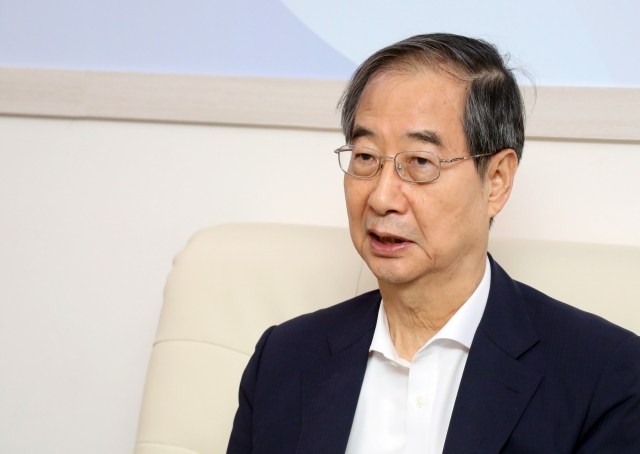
{"x":405,"y":407}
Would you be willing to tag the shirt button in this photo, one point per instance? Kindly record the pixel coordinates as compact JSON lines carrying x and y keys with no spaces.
{"x":420,"y":401}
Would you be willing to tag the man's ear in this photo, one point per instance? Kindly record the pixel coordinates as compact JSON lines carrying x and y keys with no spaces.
{"x":499,"y":178}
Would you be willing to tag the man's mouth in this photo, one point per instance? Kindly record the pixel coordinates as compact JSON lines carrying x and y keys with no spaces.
{"x":387,"y":239}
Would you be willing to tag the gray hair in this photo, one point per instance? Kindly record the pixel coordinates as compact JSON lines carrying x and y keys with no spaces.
{"x":494,"y":113}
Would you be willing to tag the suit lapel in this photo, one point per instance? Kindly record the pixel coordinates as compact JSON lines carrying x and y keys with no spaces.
{"x":331,"y":388}
{"x":495,"y":387}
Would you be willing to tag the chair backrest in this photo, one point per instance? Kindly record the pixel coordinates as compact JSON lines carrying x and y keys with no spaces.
{"x":231,"y":282}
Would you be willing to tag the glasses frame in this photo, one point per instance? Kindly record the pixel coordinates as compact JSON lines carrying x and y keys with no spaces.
{"x":396,"y":165}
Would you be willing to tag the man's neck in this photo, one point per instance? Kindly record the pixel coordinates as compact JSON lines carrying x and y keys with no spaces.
{"x":418,"y":310}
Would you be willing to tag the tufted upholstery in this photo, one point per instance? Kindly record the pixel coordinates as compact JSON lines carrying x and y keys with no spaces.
{"x":231,"y":282}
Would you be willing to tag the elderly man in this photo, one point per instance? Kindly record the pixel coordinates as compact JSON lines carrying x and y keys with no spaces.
{"x":450,"y":355}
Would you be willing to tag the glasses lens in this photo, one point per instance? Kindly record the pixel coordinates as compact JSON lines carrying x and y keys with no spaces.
{"x":418,"y":165}
{"x":359,"y":161}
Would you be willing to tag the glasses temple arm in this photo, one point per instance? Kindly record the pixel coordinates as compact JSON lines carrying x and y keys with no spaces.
{"x":467,"y":157}
{"x":457,"y":159}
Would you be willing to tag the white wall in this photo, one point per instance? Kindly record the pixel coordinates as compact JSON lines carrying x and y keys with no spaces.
{"x":575,"y":191}
{"x":93,"y":212}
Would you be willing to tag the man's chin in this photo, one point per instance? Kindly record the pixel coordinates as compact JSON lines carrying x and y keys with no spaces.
{"x":392,"y":273}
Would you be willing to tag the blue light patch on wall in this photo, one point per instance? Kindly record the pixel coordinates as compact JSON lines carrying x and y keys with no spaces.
{"x":561,"y":42}
{"x":223,"y":37}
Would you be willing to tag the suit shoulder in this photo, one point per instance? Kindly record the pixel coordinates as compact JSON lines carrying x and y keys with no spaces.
{"x":305,"y":336}
{"x":549,"y":315}
{"x":327,"y":318}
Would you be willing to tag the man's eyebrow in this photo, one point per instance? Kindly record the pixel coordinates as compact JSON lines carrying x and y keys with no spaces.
{"x":360,"y":131}
{"x":426,"y":136}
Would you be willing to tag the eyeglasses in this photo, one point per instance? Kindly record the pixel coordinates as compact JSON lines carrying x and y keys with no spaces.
{"x":412,"y":166}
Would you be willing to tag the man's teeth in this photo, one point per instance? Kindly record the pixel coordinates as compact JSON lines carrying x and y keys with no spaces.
{"x":389,"y":240}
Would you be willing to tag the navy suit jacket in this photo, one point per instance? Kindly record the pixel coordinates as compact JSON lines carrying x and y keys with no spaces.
{"x":541,"y":377}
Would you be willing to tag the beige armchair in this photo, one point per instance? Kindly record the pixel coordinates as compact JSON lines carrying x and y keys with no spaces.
{"x":231,"y":282}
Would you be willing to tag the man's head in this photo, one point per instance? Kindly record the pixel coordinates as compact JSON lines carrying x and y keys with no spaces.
{"x":449,"y":95}
{"x":494,"y":115}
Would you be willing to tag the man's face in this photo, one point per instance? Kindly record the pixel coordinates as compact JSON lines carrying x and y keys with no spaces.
{"x":405,"y":231}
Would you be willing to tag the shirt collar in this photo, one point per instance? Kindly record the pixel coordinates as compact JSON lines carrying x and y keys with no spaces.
{"x":381,"y":341}
{"x":460,"y":328}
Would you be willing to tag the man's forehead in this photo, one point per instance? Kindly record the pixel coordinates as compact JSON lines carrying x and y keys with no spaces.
{"x":422,"y":106}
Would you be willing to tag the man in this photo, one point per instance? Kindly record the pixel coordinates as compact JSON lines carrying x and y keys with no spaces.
{"x":451,"y":355}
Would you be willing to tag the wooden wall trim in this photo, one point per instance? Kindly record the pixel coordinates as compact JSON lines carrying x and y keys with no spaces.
{"x":575,"y":113}
{"x":583,"y":113}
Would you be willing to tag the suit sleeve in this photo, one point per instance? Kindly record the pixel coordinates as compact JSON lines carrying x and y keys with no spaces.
{"x":613,"y":422}
{"x":241,"y":441}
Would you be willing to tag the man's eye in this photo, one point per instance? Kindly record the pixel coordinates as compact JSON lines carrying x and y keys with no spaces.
{"x":421,"y":161}
{"x":364,"y":157}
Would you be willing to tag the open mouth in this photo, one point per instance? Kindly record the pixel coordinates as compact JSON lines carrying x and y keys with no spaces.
{"x":387,"y":239}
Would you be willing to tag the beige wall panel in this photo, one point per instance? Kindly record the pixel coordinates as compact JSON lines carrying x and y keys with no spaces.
{"x":556,"y":112}
{"x":298,"y":103}
{"x":584,"y":113}
{"x":45,"y":92}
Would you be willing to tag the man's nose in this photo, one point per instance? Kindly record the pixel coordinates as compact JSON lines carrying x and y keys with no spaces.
{"x":388,"y":195}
